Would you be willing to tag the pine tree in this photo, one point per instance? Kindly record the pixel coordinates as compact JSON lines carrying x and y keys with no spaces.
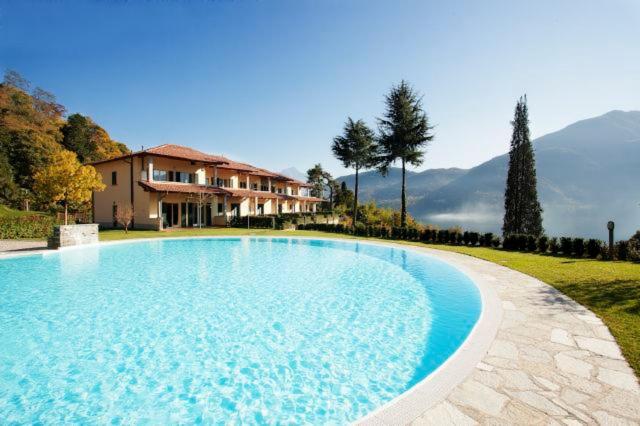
{"x":404,"y":134}
{"x":523,"y":213}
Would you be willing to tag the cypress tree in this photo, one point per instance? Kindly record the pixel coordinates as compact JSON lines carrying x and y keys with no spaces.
{"x":523,"y":213}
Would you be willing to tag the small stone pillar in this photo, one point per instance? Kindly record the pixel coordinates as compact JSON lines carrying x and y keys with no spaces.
{"x":73,"y":235}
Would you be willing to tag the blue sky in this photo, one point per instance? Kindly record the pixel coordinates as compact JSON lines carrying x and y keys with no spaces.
{"x":271,"y":82}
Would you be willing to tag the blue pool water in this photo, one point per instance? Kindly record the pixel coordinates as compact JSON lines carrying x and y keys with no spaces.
{"x":223,"y":330}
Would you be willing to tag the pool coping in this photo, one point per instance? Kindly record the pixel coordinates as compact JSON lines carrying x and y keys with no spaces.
{"x":435,"y":386}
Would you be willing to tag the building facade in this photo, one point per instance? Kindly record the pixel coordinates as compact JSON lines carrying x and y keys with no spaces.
{"x":172,"y":186}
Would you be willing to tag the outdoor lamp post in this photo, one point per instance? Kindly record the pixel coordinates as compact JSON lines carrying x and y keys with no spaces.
{"x":610,"y":227}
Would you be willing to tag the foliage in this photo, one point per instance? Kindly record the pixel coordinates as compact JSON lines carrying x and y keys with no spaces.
{"x":315,"y":176}
{"x":523,"y":213}
{"x":578,"y":247}
{"x":594,"y":248}
{"x":543,"y":244}
{"x":566,"y":246}
{"x":66,"y":181}
{"x":8,"y":188}
{"x":356,"y":149}
{"x":26,"y":226}
{"x":343,"y":197}
{"x":33,"y":130}
{"x":554,"y":247}
{"x":88,"y":140}
{"x":404,"y":134}
{"x":634,"y":247}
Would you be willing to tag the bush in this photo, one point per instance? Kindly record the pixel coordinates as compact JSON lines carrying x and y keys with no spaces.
{"x":594,"y":248}
{"x":543,"y":244}
{"x":443,"y":236}
{"x":473,"y":238}
{"x":532,"y":243}
{"x":487,"y":239}
{"x":554,"y":247}
{"x":27,"y":226}
{"x":510,"y":242}
{"x":634,"y":247}
{"x":566,"y":246}
{"x":578,"y":247}
{"x":495,"y":242}
{"x":621,"y":250}
{"x":257,"y":222}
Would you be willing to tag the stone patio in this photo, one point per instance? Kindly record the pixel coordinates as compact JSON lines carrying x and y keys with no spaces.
{"x":552,"y":362}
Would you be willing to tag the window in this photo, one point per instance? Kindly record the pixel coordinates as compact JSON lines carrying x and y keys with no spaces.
{"x":114,"y":212}
{"x":224,"y":183}
{"x":114,"y":178}
{"x":220,"y":209}
{"x":185,"y":177}
{"x":254,"y":186}
{"x":264,"y":188}
{"x":243,"y":185}
{"x":160,"y":175}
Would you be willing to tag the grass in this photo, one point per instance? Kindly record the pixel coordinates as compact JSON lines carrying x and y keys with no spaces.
{"x":610,"y":289}
{"x":9,"y":212}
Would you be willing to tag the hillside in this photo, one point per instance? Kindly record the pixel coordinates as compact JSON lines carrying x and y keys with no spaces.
{"x":588,"y":173}
{"x":33,"y":127}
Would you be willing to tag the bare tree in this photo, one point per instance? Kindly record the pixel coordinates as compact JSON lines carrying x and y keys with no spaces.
{"x":124,"y":216}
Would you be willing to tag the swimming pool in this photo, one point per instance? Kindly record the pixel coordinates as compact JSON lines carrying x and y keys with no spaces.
{"x":255,"y":330}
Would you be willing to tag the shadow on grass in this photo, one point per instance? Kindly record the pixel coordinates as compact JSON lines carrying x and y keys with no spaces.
{"x":622,"y":295}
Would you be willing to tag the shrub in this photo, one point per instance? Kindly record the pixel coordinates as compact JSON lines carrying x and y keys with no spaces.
{"x":621,"y":250}
{"x":522,"y":242}
{"x":487,"y":239}
{"x":28,"y":226}
{"x":510,"y":242}
{"x":495,"y":242}
{"x":578,"y":247}
{"x":594,"y":248}
{"x":473,"y":238}
{"x":443,"y":236}
{"x":566,"y":246}
{"x":454,"y":236}
{"x":634,"y":247}
{"x":532,"y":243}
{"x":554,"y":247}
{"x":543,"y":244}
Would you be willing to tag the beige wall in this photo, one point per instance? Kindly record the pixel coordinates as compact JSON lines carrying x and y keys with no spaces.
{"x":146,"y":203}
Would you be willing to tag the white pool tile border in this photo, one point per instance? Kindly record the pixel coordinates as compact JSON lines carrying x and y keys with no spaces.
{"x":534,"y":357}
{"x":435,"y":386}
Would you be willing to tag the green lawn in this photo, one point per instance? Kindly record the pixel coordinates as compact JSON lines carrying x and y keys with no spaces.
{"x":610,"y":289}
{"x":9,"y":212}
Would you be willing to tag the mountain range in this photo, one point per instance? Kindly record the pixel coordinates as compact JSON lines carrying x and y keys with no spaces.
{"x":588,"y":173}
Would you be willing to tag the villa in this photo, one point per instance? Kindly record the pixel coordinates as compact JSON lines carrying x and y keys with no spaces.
{"x":172,"y":186}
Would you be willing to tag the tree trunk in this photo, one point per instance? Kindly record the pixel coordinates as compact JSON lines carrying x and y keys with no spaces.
{"x":66,"y":215}
{"x":355,"y":201}
{"x":403,"y":209}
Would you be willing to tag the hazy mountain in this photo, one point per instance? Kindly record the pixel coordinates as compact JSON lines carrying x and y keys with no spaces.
{"x":386,"y":190}
{"x":292,"y":172}
{"x":588,"y":173}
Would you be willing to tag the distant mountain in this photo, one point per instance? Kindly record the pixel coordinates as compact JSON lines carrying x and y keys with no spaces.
{"x":292,"y":172}
{"x":588,"y":173}
{"x":386,"y":190}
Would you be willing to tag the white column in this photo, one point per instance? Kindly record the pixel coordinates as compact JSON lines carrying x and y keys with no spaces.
{"x":149,"y":169}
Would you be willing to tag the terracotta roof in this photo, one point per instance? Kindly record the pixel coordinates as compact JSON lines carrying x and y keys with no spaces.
{"x":190,"y":154}
{"x":185,"y":188}
{"x":250,"y":193}
{"x":299,"y":198}
{"x":173,"y":151}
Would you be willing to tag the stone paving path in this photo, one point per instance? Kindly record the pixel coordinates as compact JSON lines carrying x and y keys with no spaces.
{"x":553,"y":362}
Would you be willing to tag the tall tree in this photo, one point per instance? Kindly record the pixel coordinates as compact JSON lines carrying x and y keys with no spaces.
{"x":316,"y":177}
{"x":66,"y":181}
{"x":88,"y":140}
{"x":404,"y":134}
{"x":522,"y":210}
{"x":356,"y":148}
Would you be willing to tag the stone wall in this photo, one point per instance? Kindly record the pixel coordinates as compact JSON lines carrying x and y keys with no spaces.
{"x":74,"y":235}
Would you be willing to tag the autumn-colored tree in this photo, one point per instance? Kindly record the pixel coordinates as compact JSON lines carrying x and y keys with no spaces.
{"x":124,"y":216}
{"x":65,"y":181}
{"x":90,"y":141}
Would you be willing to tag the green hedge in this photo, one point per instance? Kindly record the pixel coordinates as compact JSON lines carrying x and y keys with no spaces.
{"x":28,"y":226}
